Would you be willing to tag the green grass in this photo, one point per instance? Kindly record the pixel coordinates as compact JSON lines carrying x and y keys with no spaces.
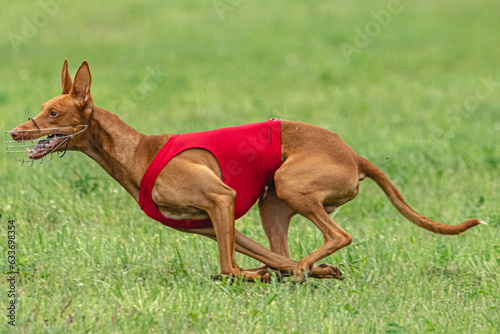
{"x":415,"y":101}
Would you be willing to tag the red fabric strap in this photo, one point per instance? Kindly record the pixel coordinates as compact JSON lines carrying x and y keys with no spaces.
{"x":248,"y":156}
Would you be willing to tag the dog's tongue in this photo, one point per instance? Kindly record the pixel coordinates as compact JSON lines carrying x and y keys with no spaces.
{"x":43,"y":147}
{"x":38,"y":151}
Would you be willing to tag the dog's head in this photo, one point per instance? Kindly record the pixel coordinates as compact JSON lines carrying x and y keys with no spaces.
{"x":62,"y":118}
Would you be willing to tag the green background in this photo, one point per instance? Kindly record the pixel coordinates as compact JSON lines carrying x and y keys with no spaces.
{"x":412,"y":86}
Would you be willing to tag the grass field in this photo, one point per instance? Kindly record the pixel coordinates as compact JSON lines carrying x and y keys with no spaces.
{"x":412,"y":86}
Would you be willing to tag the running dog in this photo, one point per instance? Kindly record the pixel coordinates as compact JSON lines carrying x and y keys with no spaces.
{"x":201,"y":182}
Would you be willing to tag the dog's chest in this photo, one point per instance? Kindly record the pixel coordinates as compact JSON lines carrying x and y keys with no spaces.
{"x":188,"y":213}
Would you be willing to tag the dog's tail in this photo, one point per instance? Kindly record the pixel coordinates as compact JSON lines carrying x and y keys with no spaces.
{"x":370,"y":170}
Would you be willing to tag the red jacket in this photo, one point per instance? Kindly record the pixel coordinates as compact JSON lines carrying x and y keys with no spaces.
{"x":248,"y":155}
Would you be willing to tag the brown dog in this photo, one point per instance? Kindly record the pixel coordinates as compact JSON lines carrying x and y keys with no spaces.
{"x":319,"y":172}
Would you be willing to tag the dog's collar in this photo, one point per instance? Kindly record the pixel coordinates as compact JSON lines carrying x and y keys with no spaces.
{"x":91,"y":117}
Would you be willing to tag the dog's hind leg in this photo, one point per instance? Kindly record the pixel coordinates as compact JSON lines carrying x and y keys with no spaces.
{"x":335,"y":238}
{"x":311,"y":190}
{"x":275,"y":215}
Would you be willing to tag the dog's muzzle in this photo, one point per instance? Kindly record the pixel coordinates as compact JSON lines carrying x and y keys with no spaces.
{"x":26,"y":146}
{"x":29,"y":146}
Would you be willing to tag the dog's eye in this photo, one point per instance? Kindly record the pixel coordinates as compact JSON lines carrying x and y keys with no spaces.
{"x":53,"y":113}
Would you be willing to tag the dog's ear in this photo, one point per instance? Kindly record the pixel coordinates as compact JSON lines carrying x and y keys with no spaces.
{"x":81,"y":86}
{"x":66,"y":79}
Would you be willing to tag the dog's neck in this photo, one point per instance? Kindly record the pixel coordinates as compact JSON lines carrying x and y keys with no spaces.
{"x":120,"y":150}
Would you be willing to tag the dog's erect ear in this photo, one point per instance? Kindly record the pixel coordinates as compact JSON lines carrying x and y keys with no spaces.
{"x":66,"y":79}
{"x":81,"y":86}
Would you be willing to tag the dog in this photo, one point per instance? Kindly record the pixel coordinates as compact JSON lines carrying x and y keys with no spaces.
{"x":308,"y":171}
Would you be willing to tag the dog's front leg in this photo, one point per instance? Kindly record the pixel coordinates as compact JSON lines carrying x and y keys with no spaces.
{"x":222,"y":215}
{"x":249,"y":247}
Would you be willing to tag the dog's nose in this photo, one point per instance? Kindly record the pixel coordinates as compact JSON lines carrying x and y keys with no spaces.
{"x":16,"y":134}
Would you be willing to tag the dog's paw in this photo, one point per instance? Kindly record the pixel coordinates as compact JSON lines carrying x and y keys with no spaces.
{"x":326,"y":271}
{"x":263,"y":276}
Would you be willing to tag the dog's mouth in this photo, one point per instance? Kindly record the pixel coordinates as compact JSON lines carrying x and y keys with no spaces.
{"x":26,"y":146}
{"x":47,"y":145}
